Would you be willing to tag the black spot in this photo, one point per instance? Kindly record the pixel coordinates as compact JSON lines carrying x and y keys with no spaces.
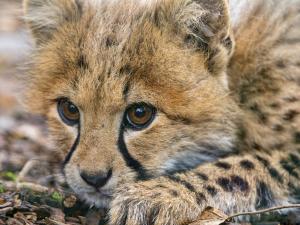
{"x":275,"y":105}
{"x":156,"y":18}
{"x":281,"y":64}
{"x":125,"y":91}
{"x":82,"y":63}
{"x":122,"y":219}
{"x":297,"y":137}
{"x":228,"y":44}
{"x":246,"y":164}
{"x":223,"y":165}
{"x":174,"y":193}
{"x":295,"y":159}
{"x":290,"y":115}
{"x":225,"y":184}
{"x":256,"y":146}
{"x":200,"y":197}
{"x":260,"y":114}
{"x":155,"y":195}
{"x":160,"y":186}
{"x":294,"y":191}
{"x":186,"y":184}
{"x":103,"y":220}
{"x":264,"y":161}
{"x":275,"y":174}
{"x":202,"y":176}
{"x":277,"y":127}
{"x":264,"y":196}
{"x":239,"y":182}
{"x":154,"y":211}
{"x":79,"y":7}
{"x":290,"y":99}
{"x":289,"y":168}
{"x":211,"y":190}
{"x":110,"y":41}
{"x":126,"y":69}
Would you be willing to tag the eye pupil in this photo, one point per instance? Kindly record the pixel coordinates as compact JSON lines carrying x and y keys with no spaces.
{"x":72,"y":108}
{"x":139,"y":116}
{"x":140,"y":112}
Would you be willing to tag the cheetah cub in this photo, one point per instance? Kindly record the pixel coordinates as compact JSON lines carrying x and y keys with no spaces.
{"x":158,"y":113}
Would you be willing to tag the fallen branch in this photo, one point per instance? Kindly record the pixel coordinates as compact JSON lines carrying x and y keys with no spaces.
{"x":212,"y":216}
{"x":263,"y":211}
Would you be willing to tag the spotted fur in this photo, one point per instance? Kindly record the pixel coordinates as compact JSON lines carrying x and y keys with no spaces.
{"x":223,"y":76}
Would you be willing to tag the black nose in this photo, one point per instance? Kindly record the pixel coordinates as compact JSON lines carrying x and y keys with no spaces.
{"x":97,"y":180}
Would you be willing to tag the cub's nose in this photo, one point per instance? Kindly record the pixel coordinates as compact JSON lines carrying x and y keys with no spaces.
{"x":96,"y":180}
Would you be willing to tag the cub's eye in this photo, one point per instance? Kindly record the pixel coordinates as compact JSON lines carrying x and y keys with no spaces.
{"x":68,"y":112}
{"x":139,"y":116}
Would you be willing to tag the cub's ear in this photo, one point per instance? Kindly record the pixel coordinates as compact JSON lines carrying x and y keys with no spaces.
{"x":203,"y":24}
{"x":202,"y":21}
{"x":45,"y":16}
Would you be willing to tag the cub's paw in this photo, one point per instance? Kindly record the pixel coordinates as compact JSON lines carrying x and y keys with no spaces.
{"x":148,"y":203}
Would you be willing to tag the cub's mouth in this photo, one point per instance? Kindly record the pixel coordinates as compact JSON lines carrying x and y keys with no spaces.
{"x":95,"y":190}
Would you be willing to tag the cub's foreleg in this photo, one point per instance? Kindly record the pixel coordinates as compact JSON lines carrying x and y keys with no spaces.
{"x":235,"y":184}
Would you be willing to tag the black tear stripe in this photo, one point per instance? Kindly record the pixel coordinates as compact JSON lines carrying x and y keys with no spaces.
{"x":73,"y":148}
{"x":130,"y":161}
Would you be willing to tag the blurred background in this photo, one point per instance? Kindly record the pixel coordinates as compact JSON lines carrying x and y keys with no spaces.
{"x":22,"y":136}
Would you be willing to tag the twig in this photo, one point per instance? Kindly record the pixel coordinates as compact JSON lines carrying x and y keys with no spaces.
{"x":32,"y":186}
{"x":263,"y":211}
{"x":54,"y":222}
{"x":6,"y":210}
{"x":26,"y":169}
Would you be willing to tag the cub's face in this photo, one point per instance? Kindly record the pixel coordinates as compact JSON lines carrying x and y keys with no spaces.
{"x":129,"y":91}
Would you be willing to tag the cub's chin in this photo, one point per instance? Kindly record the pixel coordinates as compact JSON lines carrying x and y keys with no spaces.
{"x":99,"y":198}
{"x":96,"y":199}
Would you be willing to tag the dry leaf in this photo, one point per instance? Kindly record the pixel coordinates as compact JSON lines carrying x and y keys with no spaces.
{"x":211,"y":216}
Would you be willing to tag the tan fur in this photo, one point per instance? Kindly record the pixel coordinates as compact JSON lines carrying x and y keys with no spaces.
{"x":175,"y":55}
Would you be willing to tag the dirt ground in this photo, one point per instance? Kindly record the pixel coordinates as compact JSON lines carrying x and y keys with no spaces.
{"x":32,"y":188}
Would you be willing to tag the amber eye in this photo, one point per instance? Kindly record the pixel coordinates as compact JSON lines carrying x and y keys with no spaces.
{"x":139,"y":116}
{"x":68,"y":112}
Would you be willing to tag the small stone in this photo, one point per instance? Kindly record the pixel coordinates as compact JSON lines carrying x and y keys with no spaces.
{"x":70,"y":201}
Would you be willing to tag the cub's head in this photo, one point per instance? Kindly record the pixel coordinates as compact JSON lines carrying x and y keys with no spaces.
{"x":131,"y":90}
